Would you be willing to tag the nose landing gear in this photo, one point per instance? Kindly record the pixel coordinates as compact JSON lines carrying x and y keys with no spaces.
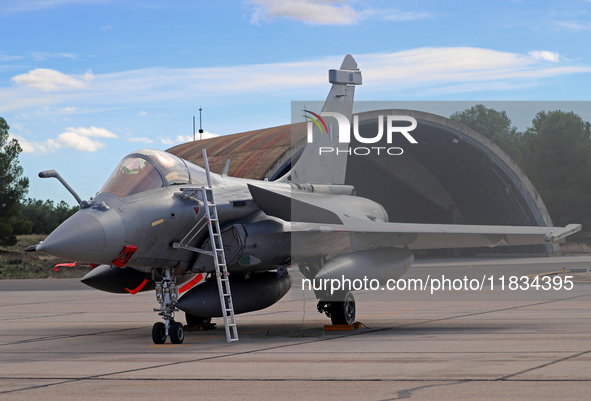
{"x":167,"y":294}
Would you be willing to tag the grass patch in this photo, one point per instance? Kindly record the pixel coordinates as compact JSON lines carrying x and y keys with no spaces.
{"x":576,"y":248}
{"x":15,"y":263}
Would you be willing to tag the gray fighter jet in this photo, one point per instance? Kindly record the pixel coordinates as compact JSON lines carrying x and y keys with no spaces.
{"x":156,"y":225}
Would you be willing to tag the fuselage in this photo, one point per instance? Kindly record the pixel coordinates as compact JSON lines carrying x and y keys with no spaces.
{"x":142,"y":207}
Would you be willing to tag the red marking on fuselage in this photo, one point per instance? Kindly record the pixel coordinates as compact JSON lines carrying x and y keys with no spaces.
{"x":191,"y":283}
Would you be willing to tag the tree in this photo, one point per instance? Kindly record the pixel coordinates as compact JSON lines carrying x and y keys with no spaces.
{"x":46,"y":216}
{"x":493,"y":124}
{"x":556,"y":156}
{"x":13,"y":187}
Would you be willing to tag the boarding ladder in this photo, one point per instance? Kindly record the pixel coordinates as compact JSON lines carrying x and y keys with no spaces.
{"x":217,"y":251}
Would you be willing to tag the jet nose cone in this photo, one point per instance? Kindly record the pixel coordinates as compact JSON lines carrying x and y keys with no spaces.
{"x":85,"y":237}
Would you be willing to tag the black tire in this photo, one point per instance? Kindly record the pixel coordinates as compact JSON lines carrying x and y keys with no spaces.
{"x":177,"y":333}
{"x":159,"y":333}
{"x":343,"y":312}
{"x":194,"y":321}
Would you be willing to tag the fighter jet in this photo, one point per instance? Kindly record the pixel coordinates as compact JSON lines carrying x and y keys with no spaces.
{"x":162,"y":223}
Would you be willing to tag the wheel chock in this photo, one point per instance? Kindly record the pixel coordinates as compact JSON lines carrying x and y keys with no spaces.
{"x":342,"y":327}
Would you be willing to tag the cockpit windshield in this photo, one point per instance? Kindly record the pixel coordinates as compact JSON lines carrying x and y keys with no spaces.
{"x":149,"y":169}
{"x":133,"y":175}
{"x":172,"y":168}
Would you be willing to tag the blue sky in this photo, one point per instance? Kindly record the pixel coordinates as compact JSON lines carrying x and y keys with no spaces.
{"x":85,"y":82}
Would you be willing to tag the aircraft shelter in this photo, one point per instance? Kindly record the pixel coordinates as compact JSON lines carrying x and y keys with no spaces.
{"x":454,"y":175}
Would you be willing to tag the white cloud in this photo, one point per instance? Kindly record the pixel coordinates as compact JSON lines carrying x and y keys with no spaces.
{"x":545,"y":55}
{"x":324,"y":12}
{"x":41,"y":56}
{"x":206,"y":135}
{"x":36,"y":5}
{"x":188,"y":138}
{"x":140,"y":140}
{"x":51,"y":80}
{"x":69,"y":110}
{"x":49,"y":146}
{"x":6,"y":57}
{"x":142,"y":113}
{"x":81,"y":138}
{"x":184,"y":138}
{"x":428,"y":66}
{"x":73,"y":138}
{"x":92,"y":132}
{"x":474,"y":68}
{"x":198,"y":136}
{"x":398,"y":15}
{"x":434,"y":68}
{"x":573,"y":25}
{"x":27,"y":146}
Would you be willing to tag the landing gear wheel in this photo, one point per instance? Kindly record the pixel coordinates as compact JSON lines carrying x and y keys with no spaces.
{"x":177,"y":333}
{"x":159,"y":333}
{"x":343,"y":312}
{"x":194,"y":321}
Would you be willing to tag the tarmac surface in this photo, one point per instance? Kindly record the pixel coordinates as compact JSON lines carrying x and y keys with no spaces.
{"x":62,"y":340}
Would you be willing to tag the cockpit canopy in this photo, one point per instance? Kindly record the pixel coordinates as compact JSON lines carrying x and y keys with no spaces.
{"x":149,"y":169}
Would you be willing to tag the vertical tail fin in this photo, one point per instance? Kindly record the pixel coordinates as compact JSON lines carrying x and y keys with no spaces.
{"x":330,"y":167}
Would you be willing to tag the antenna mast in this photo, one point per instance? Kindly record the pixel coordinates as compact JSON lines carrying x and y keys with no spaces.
{"x":200,"y":127}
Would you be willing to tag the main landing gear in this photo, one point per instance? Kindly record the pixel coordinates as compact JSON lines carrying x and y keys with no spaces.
{"x":338,"y":306}
{"x":339,"y":312}
{"x":167,"y":294}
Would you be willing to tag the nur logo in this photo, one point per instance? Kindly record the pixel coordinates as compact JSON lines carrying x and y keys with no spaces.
{"x":318,"y":120}
{"x":344,"y":133}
